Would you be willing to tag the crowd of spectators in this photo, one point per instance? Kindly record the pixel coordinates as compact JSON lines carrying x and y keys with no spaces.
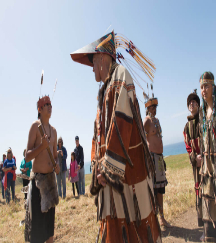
{"x":76,"y":173}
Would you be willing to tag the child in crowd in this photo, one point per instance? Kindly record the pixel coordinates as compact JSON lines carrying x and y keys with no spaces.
{"x":73,"y":173}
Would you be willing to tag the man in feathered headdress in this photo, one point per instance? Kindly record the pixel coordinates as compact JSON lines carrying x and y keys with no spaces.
{"x":154,"y":140}
{"x":121,"y":164}
{"x":42,"y":194}
{"x":192,"y":142}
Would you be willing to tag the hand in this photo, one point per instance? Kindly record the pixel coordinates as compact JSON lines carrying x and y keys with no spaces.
{"x":14,"y":167}
{"x":198,"y":160}
{"x":61,"y":153}
{"x":57,"y":169}
{"x":45,"y":142}
{"x":101,"y":179}
{"x":79,"y":167}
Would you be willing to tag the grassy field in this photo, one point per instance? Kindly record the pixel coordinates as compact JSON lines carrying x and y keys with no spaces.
{"x":76,"y":218}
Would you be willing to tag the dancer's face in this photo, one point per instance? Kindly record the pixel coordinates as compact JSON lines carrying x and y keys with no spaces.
{"x":193,"y":107}
{"x":152,"y":109}
{"x":206,"y":91}
{"x":46,"y":111}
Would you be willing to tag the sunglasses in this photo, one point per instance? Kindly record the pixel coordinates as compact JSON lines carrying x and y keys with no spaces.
{"x":9,"y":152}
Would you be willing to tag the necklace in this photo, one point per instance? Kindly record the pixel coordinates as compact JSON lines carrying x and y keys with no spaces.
{"x":157,"y":126}
{"x":45,"y":130}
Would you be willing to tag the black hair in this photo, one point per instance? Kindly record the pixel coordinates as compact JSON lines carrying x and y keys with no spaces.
{"x":61,"y":140}
{"x":74,"y":155}
{"x":207,"y":75}
{"x":24,"y":152}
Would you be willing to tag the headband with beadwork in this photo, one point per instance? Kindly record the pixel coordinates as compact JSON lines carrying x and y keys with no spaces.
{"x":150,"y":102}
{"x":206,"y":81}
{"x":42,"y":101}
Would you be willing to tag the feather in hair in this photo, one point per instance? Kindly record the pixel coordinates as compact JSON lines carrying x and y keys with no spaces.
{"x":42,"y":74}
{"x":54,"y":89}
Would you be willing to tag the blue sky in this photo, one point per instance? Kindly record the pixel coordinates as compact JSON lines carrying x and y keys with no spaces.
{"x":179,"y":36}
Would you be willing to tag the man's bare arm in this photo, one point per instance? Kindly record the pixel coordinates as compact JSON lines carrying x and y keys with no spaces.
{"x":55,"y":154}
{"x":147,"y":124}
{"x":31,"y":151}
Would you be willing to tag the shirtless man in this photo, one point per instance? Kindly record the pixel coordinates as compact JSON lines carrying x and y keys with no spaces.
{"x":154,"y":140}
{"x":42,"y":223}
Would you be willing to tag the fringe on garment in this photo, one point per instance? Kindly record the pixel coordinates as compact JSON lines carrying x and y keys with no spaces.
{"x":96,"y":204}
{"x":136,"y":208}
{"x":104,"y":234}
{"x":150,"y":238}
{"x":98,"y":235}
{"x":124,"y":235}
{"x":101,"y":206}
{"x":152,"y":199}
{"x":138,"y":237}
{"x":113,"y":213}
{"x":95,"y":186}
{"x":113,"y":180}
{"x":127,"y":217}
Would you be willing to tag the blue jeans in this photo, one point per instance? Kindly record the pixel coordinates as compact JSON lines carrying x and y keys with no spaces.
{"x":82,"y":181}
{"x":61,"y":179}
{"x":10,"y":184}
{"x":2,"y":188}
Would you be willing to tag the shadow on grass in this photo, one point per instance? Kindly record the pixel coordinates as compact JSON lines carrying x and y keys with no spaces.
{"x":189,"y":235}
{"x":3,"y":202}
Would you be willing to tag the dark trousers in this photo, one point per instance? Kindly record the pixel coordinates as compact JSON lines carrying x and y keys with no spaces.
{"x":210,"y":232}
{"x":10,"y":184}
{"x":42,"y":223}
{"x":25,"y":183}
{"x":76,"y":187}
{"x":3,"y":191}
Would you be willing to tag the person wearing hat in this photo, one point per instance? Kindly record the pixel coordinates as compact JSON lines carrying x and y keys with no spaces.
{"x":80,"y":161}
{"x":191,"y":138}
{"x":2,"y":175}
{"x":207,"y":119}
{"x":155,"y":144}
{"x":121,"y":163}
{"x":9,"y":168}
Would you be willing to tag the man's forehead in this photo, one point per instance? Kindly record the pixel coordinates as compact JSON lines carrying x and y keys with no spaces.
{"x":153,"y":106}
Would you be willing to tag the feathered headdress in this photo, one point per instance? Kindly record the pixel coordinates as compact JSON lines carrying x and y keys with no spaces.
{"x":110,"y":44}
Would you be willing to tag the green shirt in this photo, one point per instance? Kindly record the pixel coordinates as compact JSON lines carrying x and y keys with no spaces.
{"x":27,"y":165}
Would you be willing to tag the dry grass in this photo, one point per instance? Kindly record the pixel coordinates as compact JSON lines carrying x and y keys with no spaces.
{"x":76,"y":218}
{"x":180,"y":193}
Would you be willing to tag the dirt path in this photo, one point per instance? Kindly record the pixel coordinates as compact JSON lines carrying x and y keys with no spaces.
{"x":184,"y":229}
